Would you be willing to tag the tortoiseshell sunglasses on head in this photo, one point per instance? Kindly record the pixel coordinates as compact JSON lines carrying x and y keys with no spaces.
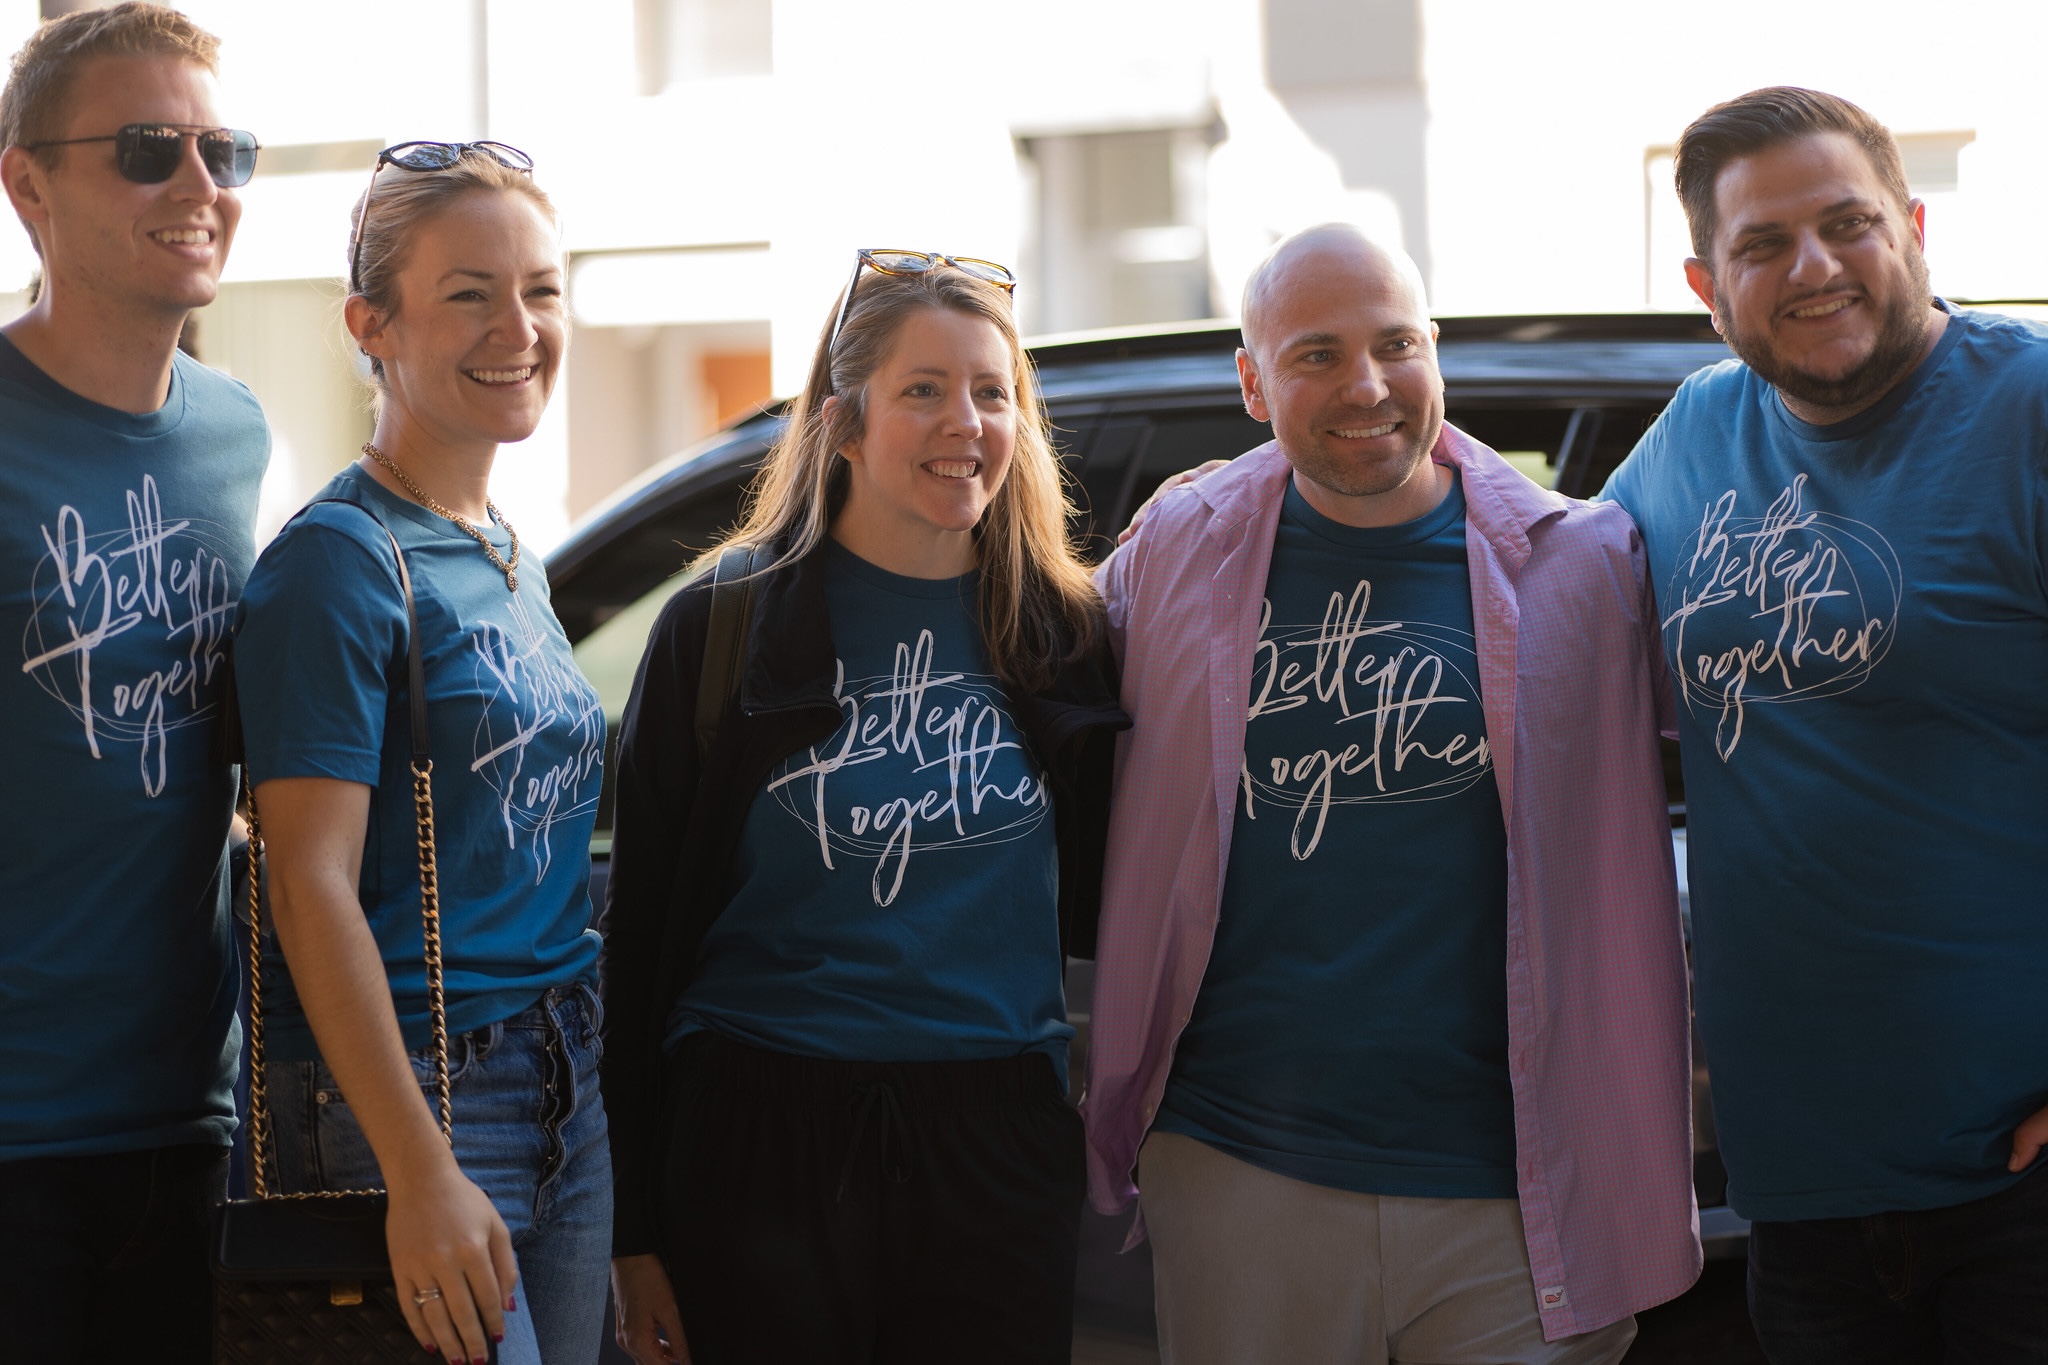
{"x":888,"y":261}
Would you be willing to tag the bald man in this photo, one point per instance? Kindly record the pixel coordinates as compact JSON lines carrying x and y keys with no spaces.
{"x":1390,"y":1032}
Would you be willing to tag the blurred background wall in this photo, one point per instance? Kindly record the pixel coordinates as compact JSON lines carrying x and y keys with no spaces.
{"x":718,"y":161}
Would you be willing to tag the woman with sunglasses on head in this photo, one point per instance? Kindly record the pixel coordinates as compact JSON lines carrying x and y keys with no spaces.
{"x":456,"y":299}
{"x":837,"y":1047}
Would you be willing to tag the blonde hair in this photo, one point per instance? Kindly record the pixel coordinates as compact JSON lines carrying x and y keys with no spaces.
{"x":401,"y":202}
{"x":32,"y":104}
{"x":1038,"y":604}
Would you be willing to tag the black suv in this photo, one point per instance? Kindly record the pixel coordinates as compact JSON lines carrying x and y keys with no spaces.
{"x":1564,"y":398}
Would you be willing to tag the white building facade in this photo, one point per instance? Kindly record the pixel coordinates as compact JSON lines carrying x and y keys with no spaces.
{"x":717,"y":162}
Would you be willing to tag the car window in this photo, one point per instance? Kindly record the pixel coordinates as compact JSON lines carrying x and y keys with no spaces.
{"x":610,"y":655}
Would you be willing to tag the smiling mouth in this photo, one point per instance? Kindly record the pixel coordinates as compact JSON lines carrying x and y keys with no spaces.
{"x":1821,"y":310}
{"x":953,"y":469}
{"x":518,"y":376}
{"x":183,"y":236}
{"x":1365,"y":433}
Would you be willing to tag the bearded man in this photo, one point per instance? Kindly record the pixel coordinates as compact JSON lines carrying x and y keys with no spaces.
{"x":1848,"y":534}
{"x":1389,"y":987}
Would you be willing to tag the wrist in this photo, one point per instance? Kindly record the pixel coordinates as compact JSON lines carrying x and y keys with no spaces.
{"x":423,"y":1164}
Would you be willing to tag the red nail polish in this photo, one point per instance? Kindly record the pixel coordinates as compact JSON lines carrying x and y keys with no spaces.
{"x":510,"y":1306}
{"x":430,"y":1348}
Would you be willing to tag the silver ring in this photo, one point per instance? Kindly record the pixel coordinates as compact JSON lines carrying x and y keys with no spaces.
{"x":420,"y":1299}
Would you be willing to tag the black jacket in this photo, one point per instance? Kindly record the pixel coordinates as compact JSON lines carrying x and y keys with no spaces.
{"x":676,"y":829}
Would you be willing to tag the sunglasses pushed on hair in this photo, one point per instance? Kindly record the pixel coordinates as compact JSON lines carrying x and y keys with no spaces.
{"x":425,"y":156}
{"x":149,"y":153}
{"x":888,"y":261}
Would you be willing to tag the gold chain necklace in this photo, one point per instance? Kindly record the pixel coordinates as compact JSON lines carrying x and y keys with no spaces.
{"x":509,"y":568}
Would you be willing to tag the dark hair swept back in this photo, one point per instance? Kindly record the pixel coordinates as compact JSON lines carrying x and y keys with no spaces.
{"x":1764,"y":118}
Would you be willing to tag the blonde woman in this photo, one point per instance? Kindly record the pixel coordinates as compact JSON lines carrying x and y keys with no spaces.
{"x":836,"y":1053}
{"x":456,"y":298}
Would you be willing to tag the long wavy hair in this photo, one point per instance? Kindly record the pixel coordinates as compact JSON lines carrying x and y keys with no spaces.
{"x":1038,"y":603}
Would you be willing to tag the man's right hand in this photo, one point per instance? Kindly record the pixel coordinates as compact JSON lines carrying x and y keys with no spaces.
{"x":649,"y":1328}
{"x":1145,"y":508}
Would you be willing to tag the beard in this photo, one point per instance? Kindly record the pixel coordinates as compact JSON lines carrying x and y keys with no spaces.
{"x":1901,"y":334}
{"x":1354,"y":478}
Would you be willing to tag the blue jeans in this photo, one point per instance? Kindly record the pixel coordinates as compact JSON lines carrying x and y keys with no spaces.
{"x":529,"y":1130}
{"x":1963,"y":1285}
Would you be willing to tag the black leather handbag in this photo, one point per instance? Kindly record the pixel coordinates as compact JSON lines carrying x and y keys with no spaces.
{"x":305,"y":1279}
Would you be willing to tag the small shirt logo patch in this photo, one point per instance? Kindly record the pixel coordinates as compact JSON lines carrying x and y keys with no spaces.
{"x":1552,"y":1297}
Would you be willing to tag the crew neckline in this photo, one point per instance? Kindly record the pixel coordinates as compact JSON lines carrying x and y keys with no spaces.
{"x":422,"y":517}
{"x":840,"y":559}
{"x":1917,"y":379}
{"x":16,"y":366}
{"x":1298,"y":511}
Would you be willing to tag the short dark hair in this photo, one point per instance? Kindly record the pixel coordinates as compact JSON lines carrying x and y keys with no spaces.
{"x":1765,"y":118}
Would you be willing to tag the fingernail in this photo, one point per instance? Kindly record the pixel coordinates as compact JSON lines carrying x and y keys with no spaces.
{"x":510,"y":1306}
{"x":498,"y":1337}
{"x":430,"y":1348}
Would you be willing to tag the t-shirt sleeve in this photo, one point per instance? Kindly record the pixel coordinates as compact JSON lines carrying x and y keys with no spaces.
{"x":322,"y":620}
{"x":1624,"y":485}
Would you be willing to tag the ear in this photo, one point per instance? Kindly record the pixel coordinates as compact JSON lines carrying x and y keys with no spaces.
{"x":22,"y":176}
{"x":1917,"y":209}
{"x":1701,"y":280}
{"x":1248,"y":384}
{"x":827,"y":414}
{"x":366,"y":325}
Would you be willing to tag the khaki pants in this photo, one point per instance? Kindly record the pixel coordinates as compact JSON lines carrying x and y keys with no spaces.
{"x":1249,"y":1266}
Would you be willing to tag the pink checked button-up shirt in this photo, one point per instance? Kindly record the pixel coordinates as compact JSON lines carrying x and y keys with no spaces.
{"x":1570,"y":668}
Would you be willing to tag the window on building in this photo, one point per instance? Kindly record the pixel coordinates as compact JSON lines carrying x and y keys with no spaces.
{"x":684,"y":40}
{"x":1118,"y":226}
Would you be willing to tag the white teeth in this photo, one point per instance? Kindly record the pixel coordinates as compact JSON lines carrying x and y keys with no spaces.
{"x":953,"y":469}
{"x":500,"y":376}
{"x":1821,"y":310}
{"x":192,"y":236}
{"x":1366,"y":433}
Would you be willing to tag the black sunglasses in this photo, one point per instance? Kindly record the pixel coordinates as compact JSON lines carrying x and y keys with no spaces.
{"x":149,"y":153}
{"x":425,"y":156}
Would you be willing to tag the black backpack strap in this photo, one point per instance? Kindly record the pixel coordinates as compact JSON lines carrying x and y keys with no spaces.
{"x":725,"y":641}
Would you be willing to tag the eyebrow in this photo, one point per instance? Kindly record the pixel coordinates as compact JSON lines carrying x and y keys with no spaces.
{"x":470,"y":272}
{"x":1853,"y":201}
{"x":1397,"y":329}
{"x":942,"y":372}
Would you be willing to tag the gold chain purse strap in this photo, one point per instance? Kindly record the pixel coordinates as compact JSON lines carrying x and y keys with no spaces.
{"x":430,"y":906}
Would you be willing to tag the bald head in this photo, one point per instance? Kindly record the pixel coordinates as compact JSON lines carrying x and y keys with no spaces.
{"x":1310,"y":262}
{"x":1340,"y":356}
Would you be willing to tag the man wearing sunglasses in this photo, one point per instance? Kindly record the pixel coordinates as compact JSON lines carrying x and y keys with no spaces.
{"x":128,"y":486}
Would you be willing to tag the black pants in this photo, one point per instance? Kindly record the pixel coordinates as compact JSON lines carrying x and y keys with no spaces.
{"x":859,"y":1213}
{"x":1963,"y":1285}
{"x":96,"y":1251}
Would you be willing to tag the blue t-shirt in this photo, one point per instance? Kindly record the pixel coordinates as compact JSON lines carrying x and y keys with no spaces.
{"x":518,"y":747}
{"x":1351,"y":1030}
{"x":895,"y":893}
{"x":128,"y":542}
{"x":1857,"y":619}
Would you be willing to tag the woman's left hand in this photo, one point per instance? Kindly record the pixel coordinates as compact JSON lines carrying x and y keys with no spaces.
{"x":649,"y":1328}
